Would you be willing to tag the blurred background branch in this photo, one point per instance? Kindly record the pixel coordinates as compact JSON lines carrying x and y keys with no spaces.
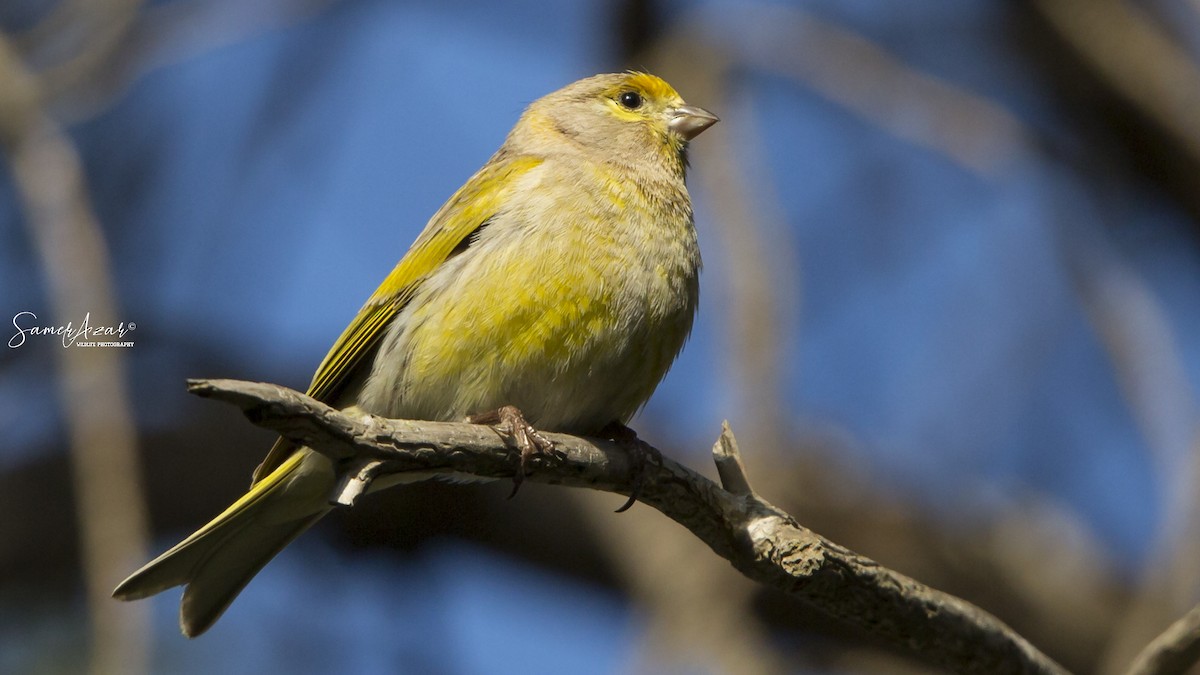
{"x":1176,"y":650}
{"x":127,"y":41}
{"x":107,"y":487}
{"x":1148,"y":81}
{"x":1138,"y":337}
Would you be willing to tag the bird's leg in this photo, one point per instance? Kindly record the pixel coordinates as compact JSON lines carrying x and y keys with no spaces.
{"x":509,"y":421}
{"x":640,"y":452}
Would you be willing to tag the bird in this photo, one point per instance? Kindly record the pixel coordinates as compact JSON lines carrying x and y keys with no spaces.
{"x":551,"y":292}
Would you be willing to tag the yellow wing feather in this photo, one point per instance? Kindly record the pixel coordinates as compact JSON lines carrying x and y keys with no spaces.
{"x":470,"y":207}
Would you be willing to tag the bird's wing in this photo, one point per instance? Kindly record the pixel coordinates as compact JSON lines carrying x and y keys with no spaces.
{"x":447,"y":233}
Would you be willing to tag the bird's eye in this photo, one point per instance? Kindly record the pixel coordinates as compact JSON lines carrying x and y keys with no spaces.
{"x":630,"y":100}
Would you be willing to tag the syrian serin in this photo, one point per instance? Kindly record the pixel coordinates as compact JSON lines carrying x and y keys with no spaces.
{"x":556,"y":286}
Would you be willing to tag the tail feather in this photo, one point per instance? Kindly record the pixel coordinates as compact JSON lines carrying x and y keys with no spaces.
{"x":229,"y":567}
{"x":219,"y":559}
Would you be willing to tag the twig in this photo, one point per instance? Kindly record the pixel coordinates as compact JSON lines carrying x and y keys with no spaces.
{"x":354,"y":484}
{"x":761,"y":541}
{"x":729,"y":463}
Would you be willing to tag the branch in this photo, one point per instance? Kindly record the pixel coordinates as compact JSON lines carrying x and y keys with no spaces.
{"x":761,"y":541}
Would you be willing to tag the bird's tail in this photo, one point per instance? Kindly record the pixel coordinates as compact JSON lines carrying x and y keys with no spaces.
{"x":219,"y":559}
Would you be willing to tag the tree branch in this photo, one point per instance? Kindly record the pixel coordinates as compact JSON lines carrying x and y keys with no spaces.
{"x":760,"y":540}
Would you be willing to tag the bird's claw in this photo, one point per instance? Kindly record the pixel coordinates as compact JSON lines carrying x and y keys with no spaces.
{"x":509,"y":421}
{"x":640,"y":453}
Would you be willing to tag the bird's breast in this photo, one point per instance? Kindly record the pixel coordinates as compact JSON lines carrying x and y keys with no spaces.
{"x":571,"y":305}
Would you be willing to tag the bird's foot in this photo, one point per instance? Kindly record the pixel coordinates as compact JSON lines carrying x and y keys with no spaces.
{"x":509,"y":421}
{"x":640,"y":453}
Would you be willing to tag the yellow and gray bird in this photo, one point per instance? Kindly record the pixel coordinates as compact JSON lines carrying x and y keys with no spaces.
{"x":556,"y":286}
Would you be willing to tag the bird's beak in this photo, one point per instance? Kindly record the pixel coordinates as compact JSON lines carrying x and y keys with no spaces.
{"x":688,"y":121}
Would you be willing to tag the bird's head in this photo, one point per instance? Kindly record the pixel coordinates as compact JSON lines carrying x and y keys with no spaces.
{"x":625,"y":118}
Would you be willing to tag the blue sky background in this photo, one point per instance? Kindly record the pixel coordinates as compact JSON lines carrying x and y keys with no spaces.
{"x":255,"y":189}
